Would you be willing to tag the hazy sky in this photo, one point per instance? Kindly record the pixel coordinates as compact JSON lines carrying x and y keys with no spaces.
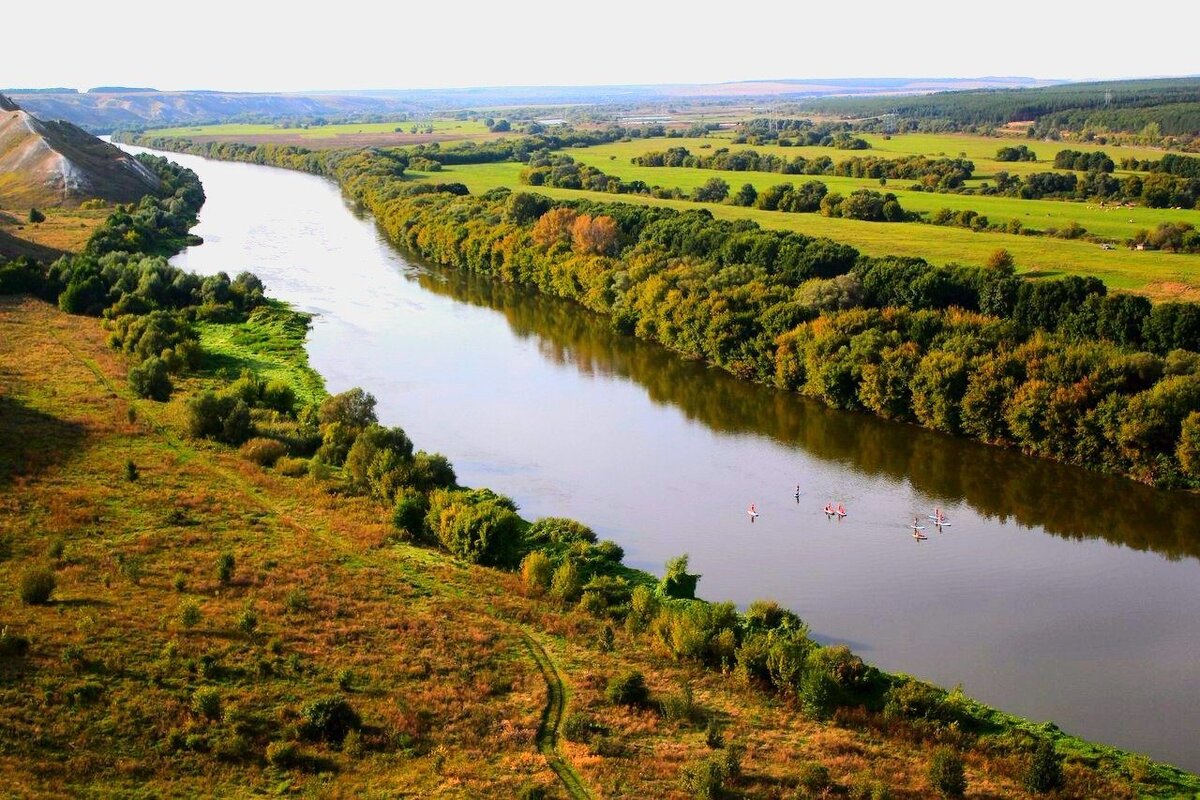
{"x":348,"y":44}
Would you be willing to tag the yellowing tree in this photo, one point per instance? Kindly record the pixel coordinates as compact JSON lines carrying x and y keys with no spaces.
{"x":595,"y":235}
{"x":554,"y":227}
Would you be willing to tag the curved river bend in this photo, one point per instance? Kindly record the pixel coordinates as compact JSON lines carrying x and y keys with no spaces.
{"x":1056,"y":594}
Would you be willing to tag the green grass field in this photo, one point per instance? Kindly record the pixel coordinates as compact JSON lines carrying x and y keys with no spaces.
{"x":1156,"y":274}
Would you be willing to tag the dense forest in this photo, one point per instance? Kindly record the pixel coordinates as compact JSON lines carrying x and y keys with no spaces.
{"x":1157,"y":109}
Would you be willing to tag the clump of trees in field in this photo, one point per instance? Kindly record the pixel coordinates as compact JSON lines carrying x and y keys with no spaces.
{"x":1018,"y":152}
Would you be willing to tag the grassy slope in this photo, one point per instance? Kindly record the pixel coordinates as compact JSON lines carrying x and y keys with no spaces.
{"x":65,"y":230}
{"x":445,"y":674}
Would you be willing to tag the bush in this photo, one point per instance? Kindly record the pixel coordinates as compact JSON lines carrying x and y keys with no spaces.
{"x":865,"y":787}
{"x":408,"y":514}
{"x":678,"y":582}
{"x":1045,"y":773}
{"x":292,"y":467}
{"x":679,"y":706}
{"x":248,"y":621}
{"x":813,"y":778}
{"x":206,"y":702}
{"x":12,"y":645}
{"x":36,"y":216}
{"x":566,"y":583}
{"x":627,"y":689}
{"x":280,"y":396}
{"x":189,"y":614}
{"x":536,"y":572}
{"x":261,"y":451}
{"x":131,"y":470}
{"x":225,"y":418}
{"x":706,"y":779}
{"x":579,"y":727}
{"x":150,"y":379}
{"x":284,"y":755}
{"x":946,"y":773}
{"x":329,"y":719}
{"x":37,"y":585}
{"x":225,"y":566}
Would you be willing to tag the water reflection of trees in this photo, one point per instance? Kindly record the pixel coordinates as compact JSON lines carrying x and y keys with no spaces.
{"x":1000,"y":484}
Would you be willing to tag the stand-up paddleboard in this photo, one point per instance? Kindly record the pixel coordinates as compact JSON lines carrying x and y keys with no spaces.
{"x":919,"y":536}
{"x":942,"y":524}
{"x":917,"y":527}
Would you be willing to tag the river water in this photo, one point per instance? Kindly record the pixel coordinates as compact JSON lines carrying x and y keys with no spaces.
{"x":1055,"y":593}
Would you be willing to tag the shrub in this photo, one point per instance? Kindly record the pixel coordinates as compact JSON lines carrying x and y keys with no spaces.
{"x":292,"y":467}
{"x":37,"y":585}
{"x":150,"y":379}
{"x":329,"y":719}
{"x":678,"y":582}
{"x":179,"y":582}
{"x":627,"y":689}
{"x":865,"y":787}
{"x":131,"y":470}
{"x":296,"y":601}
{"x":36,"y":216}
{"x":189,"y":614}
{"x":248,"y":621}
{"x":206,"y":702}
{"x":946,"y":773}
{"x":261,"y":451}
{"x":12,"y":645}
{"x":223,"y":417}
{"x":813,"y":778}
{"x":713,"y":734}
{"x":706,"y":779}
{"x":1044,"y":773}
{"x":679,"y":706}
{"x":408,"y":514}
{"x":536,"y":572}
{"x":566,"y":583}
{"x":284,"y":755}
{"x":225,"y":566}
{"x":280,"y":396}
{"x":56,"y":549}
{"x":1000,"y":259}
{"x":579,"y":727}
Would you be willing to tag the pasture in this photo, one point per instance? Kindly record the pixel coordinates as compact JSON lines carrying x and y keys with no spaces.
{"x":1159,"y":275}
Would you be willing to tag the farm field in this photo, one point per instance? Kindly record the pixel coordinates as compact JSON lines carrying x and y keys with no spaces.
{"x":1156,"y":274}
{"x":355,"y":134}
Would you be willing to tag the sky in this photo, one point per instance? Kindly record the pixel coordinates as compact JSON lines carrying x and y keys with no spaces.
{"x":351,"y":44}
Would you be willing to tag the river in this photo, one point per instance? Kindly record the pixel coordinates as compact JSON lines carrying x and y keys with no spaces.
{"x":1055,"y":593}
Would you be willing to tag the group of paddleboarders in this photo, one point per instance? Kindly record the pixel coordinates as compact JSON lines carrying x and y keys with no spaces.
{"x":839,"y":510}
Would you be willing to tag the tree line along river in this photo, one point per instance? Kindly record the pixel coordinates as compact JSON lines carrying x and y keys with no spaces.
{"x":1056,"y":593}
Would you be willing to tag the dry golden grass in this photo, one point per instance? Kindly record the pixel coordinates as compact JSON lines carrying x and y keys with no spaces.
{"x":438,"y":668}
{"x":65,"y":230}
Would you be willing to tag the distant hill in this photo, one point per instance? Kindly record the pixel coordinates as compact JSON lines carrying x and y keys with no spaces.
{"x":57,"y":163}
{"x":104,"y":109}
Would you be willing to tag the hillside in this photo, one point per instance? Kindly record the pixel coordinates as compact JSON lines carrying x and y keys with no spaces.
{"x":56,"y":163}
{"x":108,"y":108}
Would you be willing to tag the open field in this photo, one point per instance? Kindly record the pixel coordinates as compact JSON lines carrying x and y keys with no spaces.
{"x":1156,"y":274}
{"x":65,"y":230}
{"x":356,"y":134}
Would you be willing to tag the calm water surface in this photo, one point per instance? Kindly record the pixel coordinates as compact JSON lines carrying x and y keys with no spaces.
{"x":1055,"y":594}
